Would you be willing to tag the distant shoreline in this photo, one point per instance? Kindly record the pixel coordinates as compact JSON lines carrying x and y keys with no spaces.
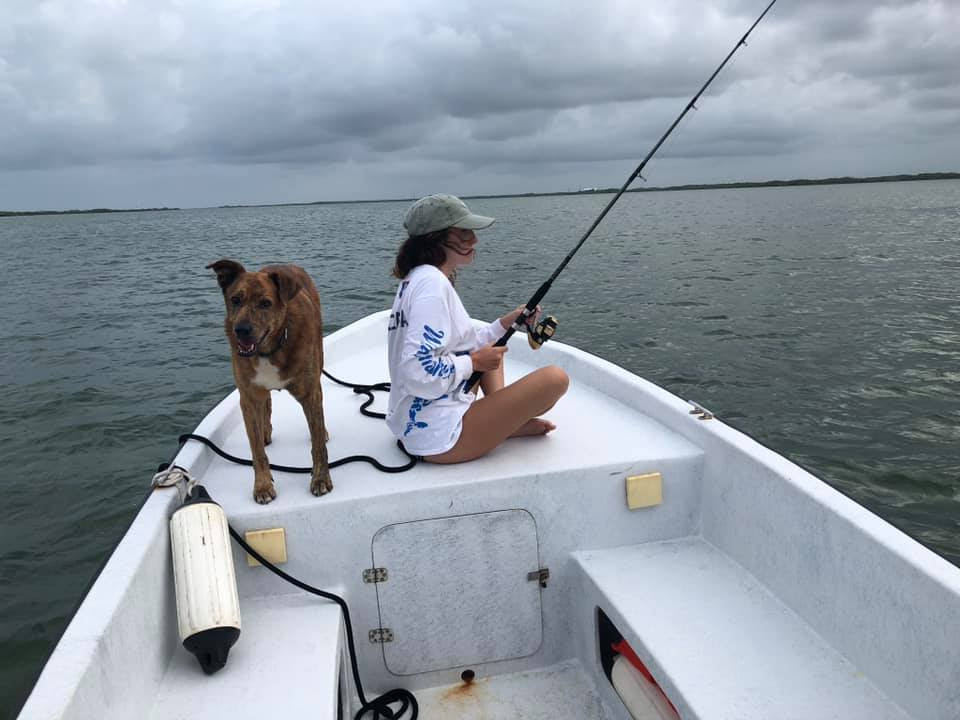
{"x":93,"y":211}
{"x":846,"y":180}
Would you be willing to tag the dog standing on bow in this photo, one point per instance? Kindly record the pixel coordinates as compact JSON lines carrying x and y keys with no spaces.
{"x":275,"y":329}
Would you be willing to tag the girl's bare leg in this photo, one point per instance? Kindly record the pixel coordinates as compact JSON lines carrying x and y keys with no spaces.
{"x":506,"y":412}
{"x":491,"y":381}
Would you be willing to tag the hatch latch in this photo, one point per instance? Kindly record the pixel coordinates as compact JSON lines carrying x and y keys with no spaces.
{"x":541,"y":576}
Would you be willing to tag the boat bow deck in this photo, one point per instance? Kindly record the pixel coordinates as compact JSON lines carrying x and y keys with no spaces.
{"x":592,"y":429}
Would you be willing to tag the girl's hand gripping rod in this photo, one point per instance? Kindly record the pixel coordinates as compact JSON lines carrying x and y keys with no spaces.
{"x":532,"y":303}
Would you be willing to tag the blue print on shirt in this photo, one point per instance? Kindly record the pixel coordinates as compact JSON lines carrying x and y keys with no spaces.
{"x":432,"y":365}
{"x":416,"y":406}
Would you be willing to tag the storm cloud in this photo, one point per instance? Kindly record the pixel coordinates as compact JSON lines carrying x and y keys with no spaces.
{"x":163,"y":102}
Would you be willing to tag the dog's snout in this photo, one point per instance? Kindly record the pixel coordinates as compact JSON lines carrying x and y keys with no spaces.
{"x":242,"y":330}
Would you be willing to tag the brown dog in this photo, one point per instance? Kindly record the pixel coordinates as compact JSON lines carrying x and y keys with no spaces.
{"x":276,"y":336}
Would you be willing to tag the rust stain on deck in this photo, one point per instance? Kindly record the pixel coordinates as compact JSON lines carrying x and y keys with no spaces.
{"x":467,"y":688}
{"x":466,"y":699}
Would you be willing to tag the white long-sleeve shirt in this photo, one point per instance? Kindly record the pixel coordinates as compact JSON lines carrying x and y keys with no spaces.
{"x":429,"y":339}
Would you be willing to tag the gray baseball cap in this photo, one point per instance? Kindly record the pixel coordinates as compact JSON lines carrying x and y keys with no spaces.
{"x":436,"y":212}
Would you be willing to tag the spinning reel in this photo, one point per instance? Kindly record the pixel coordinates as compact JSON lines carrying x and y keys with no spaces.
{"x":541,"y":332}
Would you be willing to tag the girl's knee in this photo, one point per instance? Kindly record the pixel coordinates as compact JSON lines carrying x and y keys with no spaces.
{"x":557,"y":379}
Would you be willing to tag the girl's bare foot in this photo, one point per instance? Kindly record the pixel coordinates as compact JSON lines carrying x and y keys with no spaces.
{"x":534,"y":426}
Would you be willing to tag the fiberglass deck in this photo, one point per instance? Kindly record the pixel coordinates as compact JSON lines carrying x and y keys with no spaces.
{"x":592,"y":429}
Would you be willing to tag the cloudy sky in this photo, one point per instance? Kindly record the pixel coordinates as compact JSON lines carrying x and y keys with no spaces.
{"x":178,"y":103}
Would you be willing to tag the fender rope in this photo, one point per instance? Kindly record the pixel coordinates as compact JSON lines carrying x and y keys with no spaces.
{"x":174,"y":476}
{"x":379,"y":706}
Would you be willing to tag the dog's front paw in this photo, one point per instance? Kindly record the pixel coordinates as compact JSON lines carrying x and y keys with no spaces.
{"x":264,"y":492}
{"x":321,"y":484}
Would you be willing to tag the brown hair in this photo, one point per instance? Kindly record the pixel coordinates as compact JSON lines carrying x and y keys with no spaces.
{"x":421,"y":250}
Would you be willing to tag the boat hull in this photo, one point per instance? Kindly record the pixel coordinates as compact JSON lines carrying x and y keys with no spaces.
{"x":862,"y":605}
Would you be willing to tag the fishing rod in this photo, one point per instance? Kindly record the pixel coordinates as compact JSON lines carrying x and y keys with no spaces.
{"x":545,"y":330}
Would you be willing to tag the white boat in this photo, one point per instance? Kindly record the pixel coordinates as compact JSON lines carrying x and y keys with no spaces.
{"x":746,"y":586}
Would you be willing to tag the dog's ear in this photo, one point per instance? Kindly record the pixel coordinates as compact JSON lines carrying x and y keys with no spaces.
{"x":227,"y":271}
{"x":287,"y":284}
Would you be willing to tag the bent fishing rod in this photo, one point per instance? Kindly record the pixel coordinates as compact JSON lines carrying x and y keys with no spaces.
{"x":545,"y":332}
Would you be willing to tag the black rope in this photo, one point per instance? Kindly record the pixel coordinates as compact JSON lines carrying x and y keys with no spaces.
{"x":367,"y":390}
{"x":364,"y":390}
{"x":305,"y":470}
{"x":380,"y":706}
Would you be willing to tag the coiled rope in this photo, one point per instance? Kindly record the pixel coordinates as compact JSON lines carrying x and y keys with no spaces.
{"x":359,"y":389}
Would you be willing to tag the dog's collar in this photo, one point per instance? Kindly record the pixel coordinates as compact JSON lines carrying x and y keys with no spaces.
{"x":286,"y":331}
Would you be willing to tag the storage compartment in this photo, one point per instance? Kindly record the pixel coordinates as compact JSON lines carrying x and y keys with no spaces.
{"x":633,"y":683}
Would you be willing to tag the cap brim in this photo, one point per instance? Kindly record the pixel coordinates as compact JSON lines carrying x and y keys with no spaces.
{"x":474,"y":222}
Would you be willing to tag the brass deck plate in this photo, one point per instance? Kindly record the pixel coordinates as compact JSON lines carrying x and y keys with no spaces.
{"x":271,"y":543}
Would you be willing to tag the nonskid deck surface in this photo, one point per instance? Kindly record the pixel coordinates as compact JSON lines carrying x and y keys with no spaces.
{"x":284,"y":684}
{"x":283,"y":666}
{"x":592,"y":429}
{"x":559,"y":692}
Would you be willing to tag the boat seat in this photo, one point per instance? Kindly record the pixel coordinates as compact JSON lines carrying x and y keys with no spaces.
{"x":286,"y":664}
{"x":717,"y":641}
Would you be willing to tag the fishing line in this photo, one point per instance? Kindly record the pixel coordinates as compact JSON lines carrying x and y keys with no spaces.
{"x":532,"y":303}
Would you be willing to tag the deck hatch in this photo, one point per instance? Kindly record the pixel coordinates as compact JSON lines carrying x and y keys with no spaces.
{"x":459,"y":592}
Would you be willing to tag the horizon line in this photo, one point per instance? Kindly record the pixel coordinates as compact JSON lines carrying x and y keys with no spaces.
{"x":836,"y":180}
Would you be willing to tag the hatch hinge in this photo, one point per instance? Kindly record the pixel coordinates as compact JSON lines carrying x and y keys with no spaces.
{"x":380,"y":636}
{"x":541,"y":576}
{"x":375,"y":575}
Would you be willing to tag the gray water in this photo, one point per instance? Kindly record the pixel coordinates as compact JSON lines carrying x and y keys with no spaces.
{"x":822,"y":321}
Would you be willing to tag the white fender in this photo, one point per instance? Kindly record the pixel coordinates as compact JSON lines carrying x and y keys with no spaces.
{"x":208,"y":607}
{"x":643,"y":699}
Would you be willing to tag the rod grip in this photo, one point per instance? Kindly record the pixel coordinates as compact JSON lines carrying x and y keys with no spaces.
{"x":477,"y":374}
{"x":531,"y":306}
